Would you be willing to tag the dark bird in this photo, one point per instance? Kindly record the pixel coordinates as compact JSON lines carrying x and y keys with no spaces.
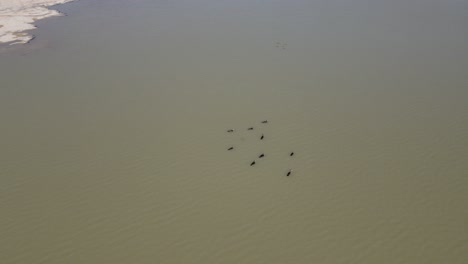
{"x":261,"y":137}
{"x":289,"y":173}
{"x":230,"y":130}
{"x":264,"y":121}
{"x":292,"y":154}
{"x":250,"y":128}
{"x":261,"y":155}
{"x":253,"y":163}
{"x":231,"y":148}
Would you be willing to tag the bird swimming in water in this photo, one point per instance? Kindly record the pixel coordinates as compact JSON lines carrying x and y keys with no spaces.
{"x":289,"y":173}
{"x":292,"y":154}
{"x":253,"y":163}
{"x":261,"y":137}
{"x":231,"y":148}
{"x":250,"y":128}
{"x":261,"y":155}
{"x":230,"y":130}
{"x":264,"y":121}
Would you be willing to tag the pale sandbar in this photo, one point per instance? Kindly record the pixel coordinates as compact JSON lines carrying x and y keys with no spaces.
{"x":17,"y":16}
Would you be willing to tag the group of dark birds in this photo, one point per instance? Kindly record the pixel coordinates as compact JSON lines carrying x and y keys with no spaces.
{"x":281,"y":45}
{"x":261,"y":138}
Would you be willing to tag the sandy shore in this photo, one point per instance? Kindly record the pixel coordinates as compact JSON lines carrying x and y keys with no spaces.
{"x":17,"y":16}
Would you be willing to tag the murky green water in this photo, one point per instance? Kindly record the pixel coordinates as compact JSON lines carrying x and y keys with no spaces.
{"x":113,"y":142}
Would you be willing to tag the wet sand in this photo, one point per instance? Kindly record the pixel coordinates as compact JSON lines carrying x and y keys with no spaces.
{"x":18,"y":16}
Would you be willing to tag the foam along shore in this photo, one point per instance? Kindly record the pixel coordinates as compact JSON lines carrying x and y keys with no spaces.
{"x":17,"y":16}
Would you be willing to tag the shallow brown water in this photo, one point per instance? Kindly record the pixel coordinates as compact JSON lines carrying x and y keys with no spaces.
{"x":113,"y":142}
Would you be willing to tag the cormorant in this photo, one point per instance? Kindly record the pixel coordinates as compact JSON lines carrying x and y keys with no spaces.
{"x":253,"y":163}
{"x":289,"y":173}
{"x":292,"y":154}
{"x":261,"y":155}
{"x":261,"y":137}
{"x":230,"y":130}
{"x":264,"y":121}
{"x":250,"y":128}
{"x":231,"y":148}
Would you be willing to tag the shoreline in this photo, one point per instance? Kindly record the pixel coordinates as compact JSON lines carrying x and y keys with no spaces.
{"x":18,"y":17}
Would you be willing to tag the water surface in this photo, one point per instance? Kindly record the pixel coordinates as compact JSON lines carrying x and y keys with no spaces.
{"x":113,"y":142}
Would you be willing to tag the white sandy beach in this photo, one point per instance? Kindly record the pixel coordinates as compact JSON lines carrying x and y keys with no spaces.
{"x":17,"y":16}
